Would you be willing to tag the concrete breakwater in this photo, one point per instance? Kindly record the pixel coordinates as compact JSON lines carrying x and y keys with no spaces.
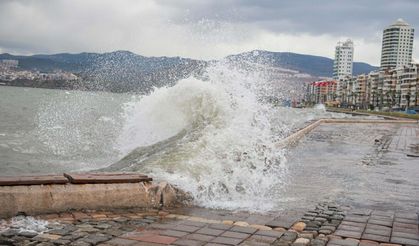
{"x":31,"y":195}
{"x":297,"y":135}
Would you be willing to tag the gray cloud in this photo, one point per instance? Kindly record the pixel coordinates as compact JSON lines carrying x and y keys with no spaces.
{"x":200,"y":29}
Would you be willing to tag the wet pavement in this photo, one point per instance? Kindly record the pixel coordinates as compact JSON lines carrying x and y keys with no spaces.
{"x":358,"y":165}
{"x":324,"y":224}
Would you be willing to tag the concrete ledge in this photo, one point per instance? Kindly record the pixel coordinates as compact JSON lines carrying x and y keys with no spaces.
{"x":293,"y":138}
{"x":41,"y":199}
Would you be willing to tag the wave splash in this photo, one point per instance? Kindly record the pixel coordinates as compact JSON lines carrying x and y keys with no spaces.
{"x":213,"y":137}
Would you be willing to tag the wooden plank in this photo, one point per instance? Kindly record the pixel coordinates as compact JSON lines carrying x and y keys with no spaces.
{"x":32,"y":180}
{"x":106,"y":178}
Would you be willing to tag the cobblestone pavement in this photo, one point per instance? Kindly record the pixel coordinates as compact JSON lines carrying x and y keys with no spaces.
{"x":326,"y":224}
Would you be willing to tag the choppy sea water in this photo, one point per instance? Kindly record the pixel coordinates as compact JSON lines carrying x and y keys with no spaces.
{"x":214,"y":136}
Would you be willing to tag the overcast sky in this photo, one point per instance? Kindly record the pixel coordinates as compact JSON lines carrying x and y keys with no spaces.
{"x":204,"y":29}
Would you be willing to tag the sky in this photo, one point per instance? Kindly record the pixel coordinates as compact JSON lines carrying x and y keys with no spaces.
{"x":200,"y":29}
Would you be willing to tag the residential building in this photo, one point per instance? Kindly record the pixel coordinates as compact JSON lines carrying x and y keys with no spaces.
{"x":344,"y":54}
{"x":397,"y":45}
{"x":321,"y":91}
{"x":390,"y":89}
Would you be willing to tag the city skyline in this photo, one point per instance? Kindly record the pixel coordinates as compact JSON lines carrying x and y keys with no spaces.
{"x":201,"y":30}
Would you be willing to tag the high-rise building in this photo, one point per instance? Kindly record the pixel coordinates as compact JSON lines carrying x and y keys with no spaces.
{"x":397,"y":45}
{"x":344,"y":54}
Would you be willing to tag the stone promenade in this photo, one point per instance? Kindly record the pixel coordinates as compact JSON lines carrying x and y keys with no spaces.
{"x":323,"y":225}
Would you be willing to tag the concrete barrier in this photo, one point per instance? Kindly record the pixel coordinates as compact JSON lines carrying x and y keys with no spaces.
{"x":295,"y":137}
{"x":41,"y":199}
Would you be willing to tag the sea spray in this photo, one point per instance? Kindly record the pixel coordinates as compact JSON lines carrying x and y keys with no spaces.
{"x":212,"y":137}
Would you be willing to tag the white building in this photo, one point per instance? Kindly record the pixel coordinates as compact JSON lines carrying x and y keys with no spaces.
{"x":397,"y":45}
{"x":344,"y":55}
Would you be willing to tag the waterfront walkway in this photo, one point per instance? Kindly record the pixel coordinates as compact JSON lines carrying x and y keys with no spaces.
{"x":325,"y":224}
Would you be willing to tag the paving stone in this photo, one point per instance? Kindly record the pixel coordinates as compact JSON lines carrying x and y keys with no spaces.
{"x":103,"y":226}
{"x":80,"y":243}
{"x":254,"y":243}
{"x":262,"y":239}
{"x":406,"y":221}
{"x":74,"y":236}
{"x":318,"y":242}
{"x":113,"y":232}
{"x":351,"y":234}
{"x":9,"y":233}
{"x":194,"y":223}
{"x":378,"y":227}
{"x":209,"y":231}
{"x":383,"y":213}
{"x":343,"y":242}
{"x":96,"y":238}
{"x":351,"y":223}
{"x":44,"y":244}
{"x":272,"y":233}
{"x":368,"y":243}
{"x":289,"y":236}
{"x":241,"y":223}
{"x":389,"y":244}
{"x":233,"y":234}
{"x":314,"y":223}
{"x":280,"y":223}
{"x":306,"y":235}
{"x":162,"y":226}
{"x":220,"y":226}
{"x":385,"y":233}
{"x":337,"y":217}
{"x":80,"y":215}
{"x":378,"y":238}
{"x":188,"y":242}
{"x":404,"y":225}
{"x":185,"y":228}
{"x":325,"y":227}
{"x":326,"y":232}
{"x":361,"y":211}
{"x":27,"y":234}
{"x":351,"y":228}
{"x":380,"y":222}
{"x":154,"y":238}
{"x":404,"y":241}
{"x":405,"y":230}
{"x":63,"y":231}
{"x":414,"y":236}
{"x":381,"y":218}
{"x":407,"y":215}
{"x":320,"y":219}
{"x":200,"y":237}
{"x":227,"y":240}
{"x":301,"y":242}
{"x":248,"y":230}
{"x":46,"y":236}
{"x":356,"y":218}
{"x":121,"y":242}
{"x":61,"y":242}
{"x":281,"y":243}
{"x":173,"y":233}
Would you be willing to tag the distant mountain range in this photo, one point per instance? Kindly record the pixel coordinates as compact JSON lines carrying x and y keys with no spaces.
{"x":317,"y":66}
{"x":122,"y":71}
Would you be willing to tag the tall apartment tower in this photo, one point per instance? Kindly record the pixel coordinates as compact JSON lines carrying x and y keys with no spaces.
{"x":344,"y":56}
{"x":397,"y":45}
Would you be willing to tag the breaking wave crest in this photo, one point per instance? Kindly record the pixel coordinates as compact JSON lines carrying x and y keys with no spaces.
{"x":212,"y":136}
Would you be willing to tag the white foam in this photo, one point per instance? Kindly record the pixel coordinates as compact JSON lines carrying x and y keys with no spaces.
{"x":229,"y":159}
